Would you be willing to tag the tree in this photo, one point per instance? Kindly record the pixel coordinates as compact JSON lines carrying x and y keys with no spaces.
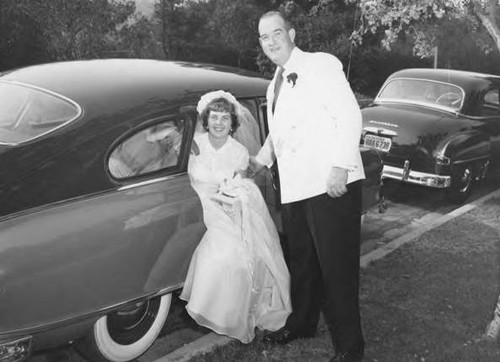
{"x":234,"y":22}
{"x":21,"y":41}
{"x":165,"y":11}
{"x":137,"y":39}
{"x":488,"y":12}
{"x":423,"y":20}
{"x":78,"y":29}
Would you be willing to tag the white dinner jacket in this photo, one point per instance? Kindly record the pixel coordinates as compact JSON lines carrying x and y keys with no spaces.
{"x":316,"y":125}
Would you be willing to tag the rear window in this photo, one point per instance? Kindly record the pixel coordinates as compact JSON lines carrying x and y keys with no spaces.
{"x":27,"y":113}
{"x":421,"y":91}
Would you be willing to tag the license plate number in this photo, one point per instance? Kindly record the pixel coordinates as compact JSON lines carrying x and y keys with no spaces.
{"x":380,"y":143}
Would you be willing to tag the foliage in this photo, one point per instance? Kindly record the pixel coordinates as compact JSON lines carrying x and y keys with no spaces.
{"x":136,"y":39}
{"x":78,"y":29}
{"x":427,"y":22}
{"x":20,"y":41}
{"x":234,"y":22}
{"x":60,"y":29}
{"x":225,"y":32}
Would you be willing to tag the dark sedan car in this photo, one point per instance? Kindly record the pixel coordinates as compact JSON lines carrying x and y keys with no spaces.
{"x":98,"y":219}
{"x":436,"y":127}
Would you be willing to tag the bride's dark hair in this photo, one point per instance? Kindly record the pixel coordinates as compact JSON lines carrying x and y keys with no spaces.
{"x":220,"y":105}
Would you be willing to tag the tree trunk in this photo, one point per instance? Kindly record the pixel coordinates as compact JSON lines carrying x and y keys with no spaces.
{"x":488,"y":20}
{"x":493,"y":330}
{"x":165,"y":30}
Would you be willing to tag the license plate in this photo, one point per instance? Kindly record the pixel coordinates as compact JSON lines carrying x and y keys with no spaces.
{"x":380,"y":143}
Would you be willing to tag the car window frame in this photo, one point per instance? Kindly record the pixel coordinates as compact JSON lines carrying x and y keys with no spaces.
{"x":378,"y":100}
{"x":483,"y":102}
{"x":162,"y":173}
{"x":264,"y":129}
{"x":55,"y":94}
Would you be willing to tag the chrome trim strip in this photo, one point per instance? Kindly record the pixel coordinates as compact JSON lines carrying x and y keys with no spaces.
{"x":415,"y":177}
{"x":417,"y":103}
{"x":381,"y":131}
{"x":169,"y":289}
{"x":152,"y":181}
{"x":82,"y":197}
{"x":78,"y":107}
{"x":471,"y":160}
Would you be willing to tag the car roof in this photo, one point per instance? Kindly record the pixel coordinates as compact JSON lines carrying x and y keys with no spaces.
{"x":137,"y":79}
{"x":464,"y":79}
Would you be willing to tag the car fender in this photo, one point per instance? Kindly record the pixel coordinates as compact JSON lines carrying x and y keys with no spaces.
{"x":465,"y":147}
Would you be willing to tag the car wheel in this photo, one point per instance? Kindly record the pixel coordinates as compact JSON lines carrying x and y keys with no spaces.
{"x":126,"y":334}
{"x":461,"y":185}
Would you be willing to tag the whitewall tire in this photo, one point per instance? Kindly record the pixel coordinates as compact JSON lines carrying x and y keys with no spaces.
{"x":126,"y":334}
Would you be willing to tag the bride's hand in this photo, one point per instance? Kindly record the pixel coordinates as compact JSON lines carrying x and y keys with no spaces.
{"x":254,"y":166}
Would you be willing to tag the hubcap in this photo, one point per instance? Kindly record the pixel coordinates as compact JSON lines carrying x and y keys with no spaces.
{"x":466,"y":179}
{"x":131,"y":323}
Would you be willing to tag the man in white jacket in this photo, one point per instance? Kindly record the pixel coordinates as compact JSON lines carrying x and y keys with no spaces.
{"x":314,"y":133}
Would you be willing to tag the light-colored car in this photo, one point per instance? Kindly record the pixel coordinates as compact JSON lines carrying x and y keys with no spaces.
{"x":98,"y":219}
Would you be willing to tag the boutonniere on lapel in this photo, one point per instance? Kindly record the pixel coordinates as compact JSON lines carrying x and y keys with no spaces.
{"x":292,"y":78}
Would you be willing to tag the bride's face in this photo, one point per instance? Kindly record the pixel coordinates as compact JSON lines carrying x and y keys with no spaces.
{"x":219,"y":124}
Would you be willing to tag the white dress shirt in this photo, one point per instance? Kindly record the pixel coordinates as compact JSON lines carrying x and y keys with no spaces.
{"x":316,"y":125}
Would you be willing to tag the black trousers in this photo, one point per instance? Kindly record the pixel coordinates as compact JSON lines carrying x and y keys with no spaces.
{"x":322,"y":251}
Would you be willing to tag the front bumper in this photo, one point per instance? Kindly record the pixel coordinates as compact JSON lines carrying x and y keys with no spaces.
{"x":415,"y":177}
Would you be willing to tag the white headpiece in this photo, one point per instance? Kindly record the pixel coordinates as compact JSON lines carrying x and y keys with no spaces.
{"x":208,"y":97}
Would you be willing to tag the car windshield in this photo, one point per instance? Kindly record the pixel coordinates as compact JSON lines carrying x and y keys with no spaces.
{"x":425,"y":92}
{"x":27,"y":113}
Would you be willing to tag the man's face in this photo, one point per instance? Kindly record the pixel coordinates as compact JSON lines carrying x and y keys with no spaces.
{"x":275,"y":39}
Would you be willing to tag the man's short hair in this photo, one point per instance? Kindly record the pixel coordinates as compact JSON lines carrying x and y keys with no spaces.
{"x":282,"y":15}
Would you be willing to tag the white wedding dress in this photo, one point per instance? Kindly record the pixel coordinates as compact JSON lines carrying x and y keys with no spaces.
{"x":237,"y":279}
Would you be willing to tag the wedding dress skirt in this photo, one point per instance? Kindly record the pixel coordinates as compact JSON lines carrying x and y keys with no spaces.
{"x":238,"y":280}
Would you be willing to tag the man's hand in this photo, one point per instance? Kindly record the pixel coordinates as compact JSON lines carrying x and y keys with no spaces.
{"x":254,"y":166}
{"x":336,"y":182}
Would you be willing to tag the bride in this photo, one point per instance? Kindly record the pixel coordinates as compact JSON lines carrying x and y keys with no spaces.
{"x":237,"y":279}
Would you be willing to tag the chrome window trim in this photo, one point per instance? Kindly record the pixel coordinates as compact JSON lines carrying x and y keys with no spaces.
{"x":416,"y":103}
{"x":472,"y":159}
{"x":35,"y":209}
{"x":151,"y":181}
{"x":76,"y":105}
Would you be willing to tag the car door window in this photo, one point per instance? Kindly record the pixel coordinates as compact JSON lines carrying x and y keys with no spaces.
{"x":490,"y":105}
{"x":151,"y":149}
